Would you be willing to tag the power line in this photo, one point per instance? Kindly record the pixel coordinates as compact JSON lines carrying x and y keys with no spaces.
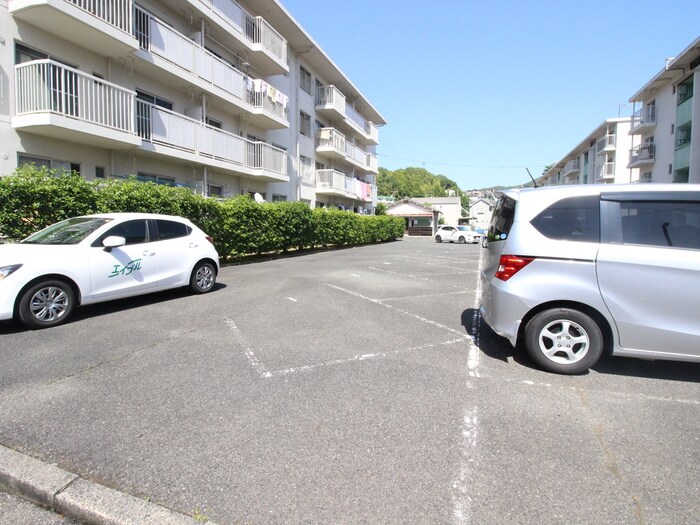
{"x":424,"y":162}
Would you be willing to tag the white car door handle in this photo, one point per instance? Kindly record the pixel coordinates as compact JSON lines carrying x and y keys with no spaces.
{"x":148,"y":253}
{"x":193,"y":245}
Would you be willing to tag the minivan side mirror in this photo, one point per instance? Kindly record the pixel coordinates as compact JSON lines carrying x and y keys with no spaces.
{"x":113,"y":241}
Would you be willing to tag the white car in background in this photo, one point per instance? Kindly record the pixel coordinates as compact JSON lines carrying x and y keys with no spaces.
{"x":460,"y":234}
{"x":96,"y":258}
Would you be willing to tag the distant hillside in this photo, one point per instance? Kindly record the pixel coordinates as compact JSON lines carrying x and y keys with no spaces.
{"x":414,"y":182}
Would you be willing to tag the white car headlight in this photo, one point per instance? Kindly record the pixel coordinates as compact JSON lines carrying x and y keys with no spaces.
{"x":7,"y":270}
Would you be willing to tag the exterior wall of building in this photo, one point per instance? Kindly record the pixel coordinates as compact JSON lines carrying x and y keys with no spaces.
{"x":480,"y":212}
{"x":450,"y":208}
{"x":200,"y":104}
{"x":601,"y":158}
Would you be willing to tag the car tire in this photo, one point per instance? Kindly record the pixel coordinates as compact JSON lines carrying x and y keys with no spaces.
{"x":46,"y":303}
{"x":203,"y":277}
{"x":462,"y":240}
{"x":563,"y":340}
{"x":438,"y":238}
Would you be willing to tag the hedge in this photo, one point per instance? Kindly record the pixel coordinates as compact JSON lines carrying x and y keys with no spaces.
{"x":33,"y":198}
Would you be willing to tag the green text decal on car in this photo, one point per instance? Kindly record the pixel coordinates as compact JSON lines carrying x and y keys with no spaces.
{"x":127,"y":269}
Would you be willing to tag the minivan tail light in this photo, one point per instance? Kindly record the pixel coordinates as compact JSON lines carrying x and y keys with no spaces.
{"x":509,"y":265}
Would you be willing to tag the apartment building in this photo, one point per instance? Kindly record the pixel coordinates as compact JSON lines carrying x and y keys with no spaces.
{"x":601,"y":158}
{"x":665,"y":148}
{"x":656,"y":144}
{"x":223,"y":97}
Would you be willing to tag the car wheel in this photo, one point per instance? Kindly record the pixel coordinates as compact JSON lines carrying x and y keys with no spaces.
{"x":45,"y":304}
{"x":563,"y":340}
{"x":203,"y":277}
{"x":462,"y":240}
{"x":438,"y":238}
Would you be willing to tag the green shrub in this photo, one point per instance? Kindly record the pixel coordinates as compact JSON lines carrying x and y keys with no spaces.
{"x":33,"y":198}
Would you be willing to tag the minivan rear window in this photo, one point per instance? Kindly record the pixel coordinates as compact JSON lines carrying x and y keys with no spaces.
{"x":571,"y":219}
{"x":502,"y":218}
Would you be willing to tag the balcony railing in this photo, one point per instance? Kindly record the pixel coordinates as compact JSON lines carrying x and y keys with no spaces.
{"x":117,"y":13}
{"x":330,"y":138}
{"x":606,"y":143}
{"x":258,"y":31}
{"x":47,"y":86}
{"x":571,"y":167}
{"x":342,"y":184}
{"x":43,"y":86}
{"x":255,"y":29}
{"x":642,"y":154}
{"x":162,"y":126}
{"x":159,"y":39}
{"x":607,"y":171}
{"x":329,"y":97}
{"x":262,"y":95}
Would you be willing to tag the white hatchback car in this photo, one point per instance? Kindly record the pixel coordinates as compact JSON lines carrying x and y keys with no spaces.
{"x":460,"y":234}
{"x":98,"y":258}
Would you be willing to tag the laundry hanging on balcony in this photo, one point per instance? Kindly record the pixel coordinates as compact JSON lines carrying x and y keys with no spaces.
{"x":260,"y":86}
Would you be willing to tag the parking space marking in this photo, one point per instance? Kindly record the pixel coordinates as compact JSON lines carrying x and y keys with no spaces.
{"x":461,"y":499}
{"x":405,"y":312}
{"x":265,"y":373}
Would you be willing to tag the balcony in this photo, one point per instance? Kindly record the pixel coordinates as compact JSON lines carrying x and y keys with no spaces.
{"x":103,"y":26}
{"x":176,"y":54}
{"x":333,"y":182}
{"x":572,"y":168}
{"x":333,"y":144}
{"x":644,"y":119}
{"x":606,"y":144}
{"x":606,"y":173}
{"x":641,"y":155}
{"x":269,"y":47}
{"x":172,"y":134}
{"x":331,"y":103}
{"x":61,"y":102}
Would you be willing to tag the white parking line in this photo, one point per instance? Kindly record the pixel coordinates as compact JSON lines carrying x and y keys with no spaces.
{"x":461,"y":499}
{"x":411,"y":314}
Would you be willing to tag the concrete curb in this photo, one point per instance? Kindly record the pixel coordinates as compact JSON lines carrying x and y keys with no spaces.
{"x":77,"y":498}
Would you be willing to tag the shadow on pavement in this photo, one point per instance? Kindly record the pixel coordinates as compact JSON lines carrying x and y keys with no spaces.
{"x":497,"y":347}
{"x":118,"y":305}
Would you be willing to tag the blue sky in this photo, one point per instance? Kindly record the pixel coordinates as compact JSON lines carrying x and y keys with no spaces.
{"x":478,"y":91}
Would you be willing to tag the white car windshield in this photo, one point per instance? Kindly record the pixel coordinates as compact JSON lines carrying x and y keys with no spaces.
{"x":70,"y":231}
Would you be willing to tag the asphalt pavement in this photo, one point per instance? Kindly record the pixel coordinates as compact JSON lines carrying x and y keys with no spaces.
{"x":348,"y":386}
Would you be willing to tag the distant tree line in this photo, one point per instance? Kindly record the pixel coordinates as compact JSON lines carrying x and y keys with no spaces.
{"x":417,"y":182}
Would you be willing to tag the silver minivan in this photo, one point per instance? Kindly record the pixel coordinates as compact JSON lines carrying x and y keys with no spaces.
{"x":573,"y":271}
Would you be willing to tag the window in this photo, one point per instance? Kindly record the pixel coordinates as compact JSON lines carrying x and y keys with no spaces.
{"x":304,"y":123}
{"x":135,"y":232}
{"x":143,"y":112}
{"x":26,"y":54}
{"x":673,"y":224}
{"x":99,"y":172}
{"x":570,"y":219}
{"x":213,"y":123}
{"x":52,"y":164}
{"x":306,"y":170}
{"x":304,"y":80}
{"x":319,"y":95}
{"x":684,"y":91}
{"x":147,"y":177}
{"x":215,"y":191}
{"x":171,"y":229}
{"x":279,"y":198}
{"x":502,"y":219}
